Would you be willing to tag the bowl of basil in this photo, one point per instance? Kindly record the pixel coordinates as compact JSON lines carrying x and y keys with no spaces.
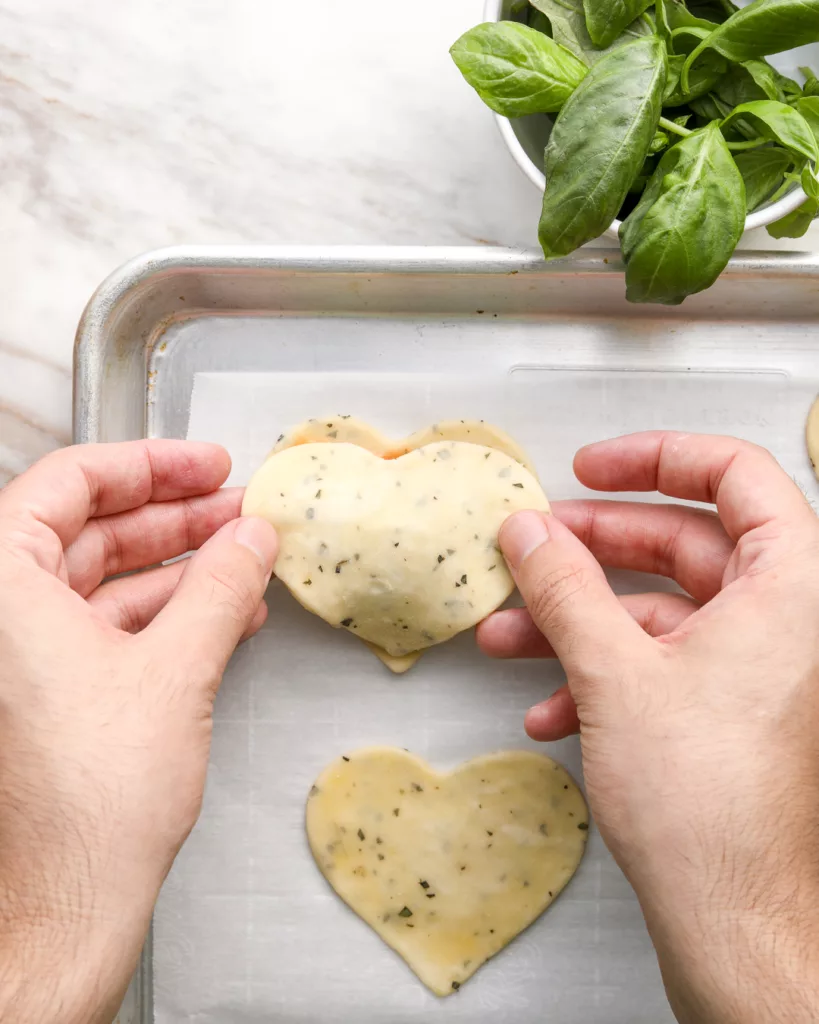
{"x":661,"y":122}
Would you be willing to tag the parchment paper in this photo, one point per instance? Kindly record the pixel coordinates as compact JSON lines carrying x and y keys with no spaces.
{"x":247,"y":930}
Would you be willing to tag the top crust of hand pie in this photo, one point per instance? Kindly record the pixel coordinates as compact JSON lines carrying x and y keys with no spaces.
{"x":403,"y":553}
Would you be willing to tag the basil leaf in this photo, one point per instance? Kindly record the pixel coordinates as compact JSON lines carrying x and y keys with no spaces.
{"x":763,"y":171}
{"x":644,"y":175}
{"x":808,"y":107}
{"x":688,"y":38}
{"x":761,"y":28}
{"x":797,"y":223}
{"x":539,"y":22}
{"x":676,"y":15}
{"x":706,"y":108}
{"x":599,"y":143}
{"x":568,"y":21}
{"x":662,"y":22}
{"x":810,"y":183}
{"x":752,"y":80}
{"x":683,"y":231}
{"x":606,"y":20}
{"x":780,"y":123}
{"x":701,"y":80}
{"x":712,"y":10}
{"x":811,"y":87}
{"x":658,"y":143}
{"x":517,"y":70}
{"x":773,"y":83}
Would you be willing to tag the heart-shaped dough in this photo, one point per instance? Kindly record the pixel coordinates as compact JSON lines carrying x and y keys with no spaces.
{"x":447,"y":869}
{"x":354,"y":431}
{"x":349,"y":429}
{"x":812,"y":436}
{"x":402,"y":553}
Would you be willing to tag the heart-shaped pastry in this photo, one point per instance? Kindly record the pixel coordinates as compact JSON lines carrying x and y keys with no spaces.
{"x":401,"y":552}
{"x":446,"y":868}
{"x":354,"y":431}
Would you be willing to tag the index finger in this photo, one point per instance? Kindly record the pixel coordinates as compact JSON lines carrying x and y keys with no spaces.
{"x":67,"y":488}
{"x":744,"y":481}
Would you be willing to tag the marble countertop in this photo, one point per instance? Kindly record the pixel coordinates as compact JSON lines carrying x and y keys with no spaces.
{"x":203,"y":121}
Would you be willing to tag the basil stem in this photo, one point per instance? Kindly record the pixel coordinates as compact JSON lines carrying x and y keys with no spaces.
{"x":777,"y":122}
{"x":681,"y":234}
{"x":599,"y":143}
{"x":761,"y":28}
{"x":702,"y":79}
{"x":749,"y":144}
{"x":607,"y":19}
{"x":674,"y":126}
{"x":517,"y":70}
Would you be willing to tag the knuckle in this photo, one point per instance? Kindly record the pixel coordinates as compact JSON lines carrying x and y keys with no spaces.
{"x":552,"y":592}
{"x":112,"y":551}
{"x":60,"y":456}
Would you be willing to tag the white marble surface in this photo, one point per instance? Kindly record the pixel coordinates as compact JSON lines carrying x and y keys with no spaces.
{"x":145,"y":123}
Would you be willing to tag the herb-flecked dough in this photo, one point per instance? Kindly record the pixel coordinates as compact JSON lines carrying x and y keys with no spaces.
{"x":446,"y":868}
{"x":400,"y":551}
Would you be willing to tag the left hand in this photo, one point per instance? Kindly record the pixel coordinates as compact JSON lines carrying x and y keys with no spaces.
{"x":106,"y":696}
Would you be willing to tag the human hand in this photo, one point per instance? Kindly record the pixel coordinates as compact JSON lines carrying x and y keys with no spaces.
{"x":104,"y":735}
{"x":698,"y":730}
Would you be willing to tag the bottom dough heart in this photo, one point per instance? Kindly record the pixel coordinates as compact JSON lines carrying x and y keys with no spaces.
{"x":350,"y":430}
{"x":446,"y":868}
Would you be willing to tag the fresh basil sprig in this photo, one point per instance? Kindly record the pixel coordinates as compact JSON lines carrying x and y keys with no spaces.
{"x":683,"y":231}
{"x":517,"y":70}
{"x":761,"y":28}
{"x":676,"y":124}
{"x":599,"y":143}
{"x":779,"y":123}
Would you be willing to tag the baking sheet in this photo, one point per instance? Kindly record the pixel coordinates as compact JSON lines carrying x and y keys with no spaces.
{"x":246,"y":929}
{"x":168,"y":317}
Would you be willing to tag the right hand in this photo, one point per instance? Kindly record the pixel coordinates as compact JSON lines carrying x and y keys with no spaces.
{"x":700,"y":730}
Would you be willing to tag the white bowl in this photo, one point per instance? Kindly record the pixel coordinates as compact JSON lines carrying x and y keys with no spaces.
{"x":526,"y":138}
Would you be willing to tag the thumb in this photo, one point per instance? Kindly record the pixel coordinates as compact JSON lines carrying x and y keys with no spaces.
{"x":568,"y":595}
{"x":217,"y":598}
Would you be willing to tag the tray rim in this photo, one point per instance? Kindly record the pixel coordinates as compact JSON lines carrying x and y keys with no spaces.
{"x":135,"y":276}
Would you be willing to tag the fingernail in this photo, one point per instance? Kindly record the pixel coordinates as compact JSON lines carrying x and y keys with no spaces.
{"x":258,"y":536}
{"x":537,"y":721}
{"x":522,"y":534}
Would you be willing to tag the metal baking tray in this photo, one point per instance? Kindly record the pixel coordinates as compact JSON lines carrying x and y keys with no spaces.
{"x":745,"y":352}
